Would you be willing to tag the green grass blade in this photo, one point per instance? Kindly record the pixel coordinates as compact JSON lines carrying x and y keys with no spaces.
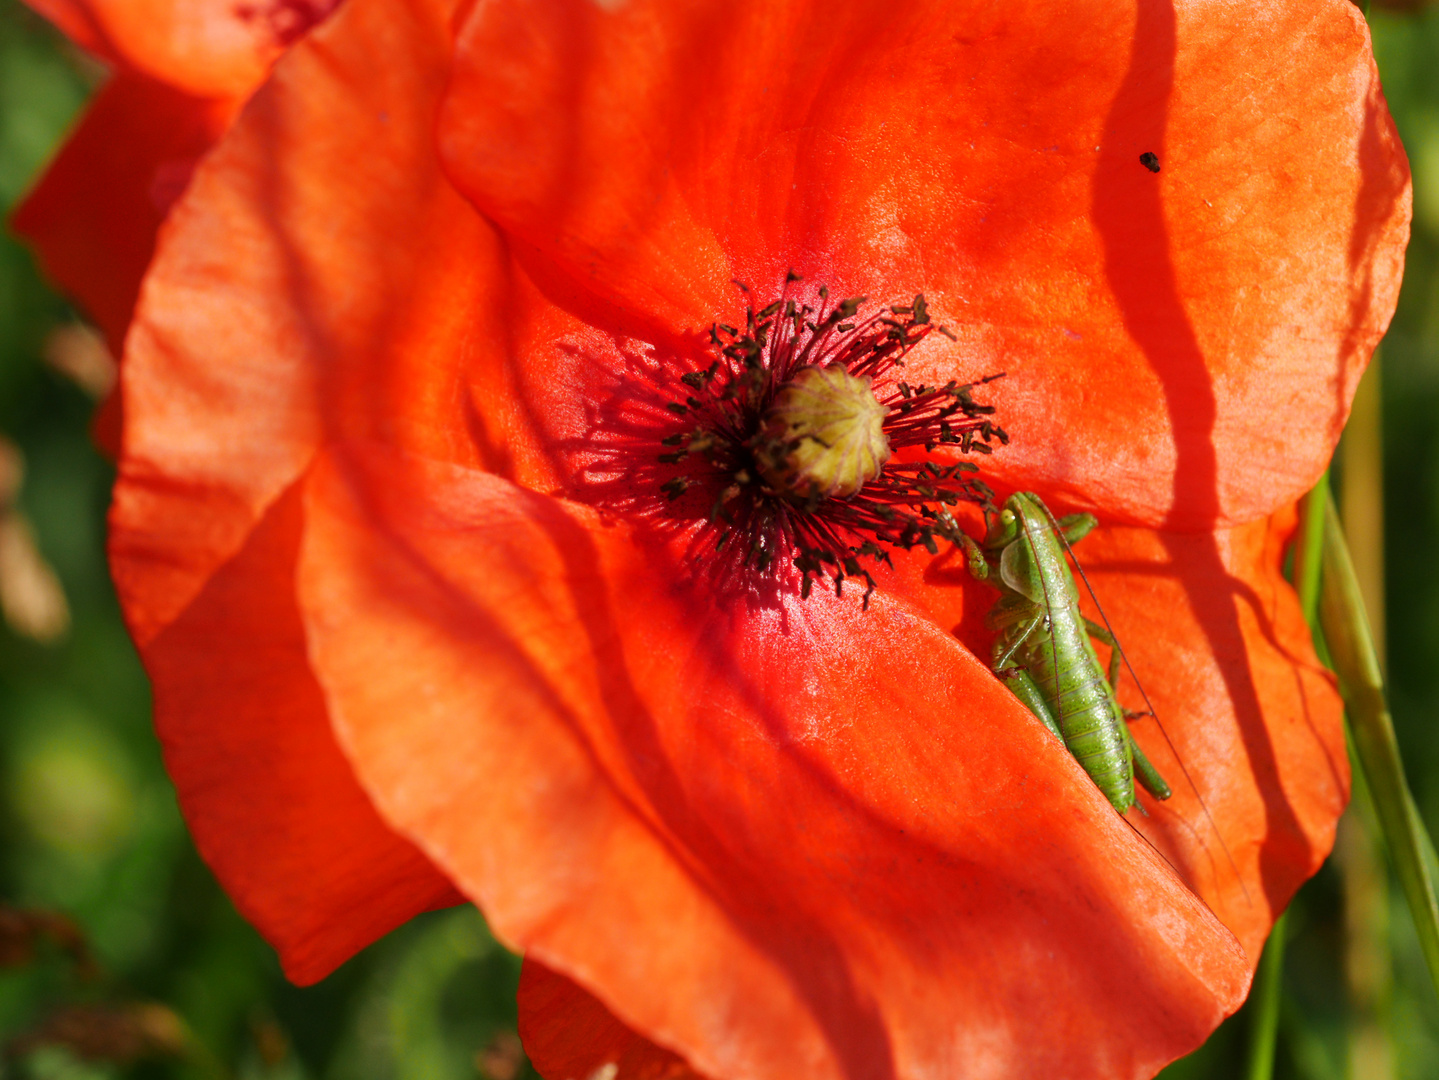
{"x":1269,"y":979}
{"x":1351,"y":649}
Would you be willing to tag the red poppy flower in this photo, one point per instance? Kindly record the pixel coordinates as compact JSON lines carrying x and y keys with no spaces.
{"x":392,"y":535}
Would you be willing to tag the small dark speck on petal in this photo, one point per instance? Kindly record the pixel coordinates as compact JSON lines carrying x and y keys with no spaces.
{"x":1149,"y":160}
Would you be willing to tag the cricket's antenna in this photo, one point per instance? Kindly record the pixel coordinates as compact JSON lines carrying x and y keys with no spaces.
{"x":1154,"y":848}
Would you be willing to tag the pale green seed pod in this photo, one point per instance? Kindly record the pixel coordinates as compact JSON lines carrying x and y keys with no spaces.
{"x":823,"y":435}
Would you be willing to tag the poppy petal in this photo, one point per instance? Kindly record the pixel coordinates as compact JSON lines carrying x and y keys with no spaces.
{"x":991,"y":159}
{"x":1249,"y":730}
{"x":93,"y":216}
{"x":780,"y":838}
{"x":1246,"y":714}
{"x":209,"y":48}
{"x":272,"y":804}
{"x":318,"y":256}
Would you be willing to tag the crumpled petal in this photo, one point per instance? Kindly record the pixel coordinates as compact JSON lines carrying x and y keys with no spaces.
{"x":990,"y":158}
{"x":1253,"y":718}
{"x":783,"y":837}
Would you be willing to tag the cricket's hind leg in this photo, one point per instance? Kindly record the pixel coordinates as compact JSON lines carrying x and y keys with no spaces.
{"x":1144,"y":770}
{"x":1075,"y":527}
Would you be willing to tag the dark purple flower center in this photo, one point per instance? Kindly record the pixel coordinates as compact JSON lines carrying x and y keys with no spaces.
{"x":797,"y":433}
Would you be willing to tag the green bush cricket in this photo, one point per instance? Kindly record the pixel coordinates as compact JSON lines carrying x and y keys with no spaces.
{"x":1044,"y":652}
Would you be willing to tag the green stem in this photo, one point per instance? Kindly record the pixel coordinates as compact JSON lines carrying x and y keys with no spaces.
{"x":1356,"y":661}
{"x":1308,"y":549}
{"x":1264,"y":1025}
{"x":1269,"y":979}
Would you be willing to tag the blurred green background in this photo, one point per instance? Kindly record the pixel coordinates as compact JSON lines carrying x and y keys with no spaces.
{"x":170,"y":982}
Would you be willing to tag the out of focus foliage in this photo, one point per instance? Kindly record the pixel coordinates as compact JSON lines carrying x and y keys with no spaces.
{"x":119,"y":955}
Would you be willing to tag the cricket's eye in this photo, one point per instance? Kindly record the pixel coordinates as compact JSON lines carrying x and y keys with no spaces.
{"x":1007,"y":516}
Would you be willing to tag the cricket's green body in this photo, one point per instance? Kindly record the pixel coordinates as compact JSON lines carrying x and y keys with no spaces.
{"x":1044,"y":653}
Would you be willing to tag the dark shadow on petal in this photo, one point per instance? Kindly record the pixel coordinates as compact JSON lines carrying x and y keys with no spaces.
{"x":1262,"y":609}
{"x":1129,"y":214}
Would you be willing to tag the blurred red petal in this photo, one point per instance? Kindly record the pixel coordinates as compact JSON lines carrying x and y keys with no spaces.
{"x":183,"y":70}
{"x":209,"y":48}
{"x":93,"y":216}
